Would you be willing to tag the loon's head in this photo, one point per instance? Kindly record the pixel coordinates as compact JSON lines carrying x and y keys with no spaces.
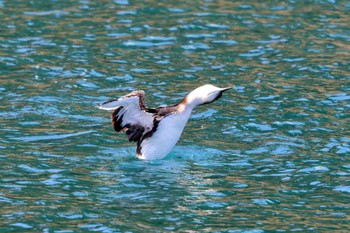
{"x":204,"y":95}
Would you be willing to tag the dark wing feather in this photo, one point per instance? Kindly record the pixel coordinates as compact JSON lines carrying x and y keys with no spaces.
{"x":117,"y":120}
{"x":135,"y":132}
{"x":130,"y":115}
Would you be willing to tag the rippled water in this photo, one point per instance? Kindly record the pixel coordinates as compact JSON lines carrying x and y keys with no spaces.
{"x":271,"y":156}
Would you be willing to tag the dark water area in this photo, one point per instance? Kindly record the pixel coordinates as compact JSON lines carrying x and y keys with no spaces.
{"x":272,"y":156}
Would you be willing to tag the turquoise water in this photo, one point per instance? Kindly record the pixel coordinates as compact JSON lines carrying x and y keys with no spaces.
{"x":273,"y":156}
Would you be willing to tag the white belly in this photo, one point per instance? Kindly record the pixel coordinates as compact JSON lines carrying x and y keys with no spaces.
{"x":164,"y":139}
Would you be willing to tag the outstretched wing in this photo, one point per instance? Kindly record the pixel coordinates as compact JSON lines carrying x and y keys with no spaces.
{"x":130,"y":115}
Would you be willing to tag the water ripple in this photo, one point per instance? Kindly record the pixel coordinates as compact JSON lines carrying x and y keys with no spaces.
{"x":278,"y":144}
{"x":50,"y":137}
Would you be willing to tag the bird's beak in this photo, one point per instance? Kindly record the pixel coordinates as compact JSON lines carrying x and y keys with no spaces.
{"x":228,"y":88}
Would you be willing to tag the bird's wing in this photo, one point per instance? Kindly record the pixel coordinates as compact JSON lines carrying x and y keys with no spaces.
{"x":130,"y":115}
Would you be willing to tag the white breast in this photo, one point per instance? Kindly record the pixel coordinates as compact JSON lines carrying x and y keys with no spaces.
{"x":164,"y":139}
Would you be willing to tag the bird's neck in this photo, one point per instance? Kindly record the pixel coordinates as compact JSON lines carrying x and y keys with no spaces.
{"x":189,"y":102}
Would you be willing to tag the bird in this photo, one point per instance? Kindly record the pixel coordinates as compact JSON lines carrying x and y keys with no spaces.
{"x":157,"y":130}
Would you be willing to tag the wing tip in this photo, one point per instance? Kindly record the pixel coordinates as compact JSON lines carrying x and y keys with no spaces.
{"x":109,"y":105}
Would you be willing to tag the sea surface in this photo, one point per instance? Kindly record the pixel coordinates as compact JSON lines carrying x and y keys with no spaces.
{"x":271,"y":156}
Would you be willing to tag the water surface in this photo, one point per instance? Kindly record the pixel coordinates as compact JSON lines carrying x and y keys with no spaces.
{"x":272,"y":156}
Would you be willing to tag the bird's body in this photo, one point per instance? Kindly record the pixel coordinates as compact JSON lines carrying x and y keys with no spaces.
{"x":156,"y":130}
